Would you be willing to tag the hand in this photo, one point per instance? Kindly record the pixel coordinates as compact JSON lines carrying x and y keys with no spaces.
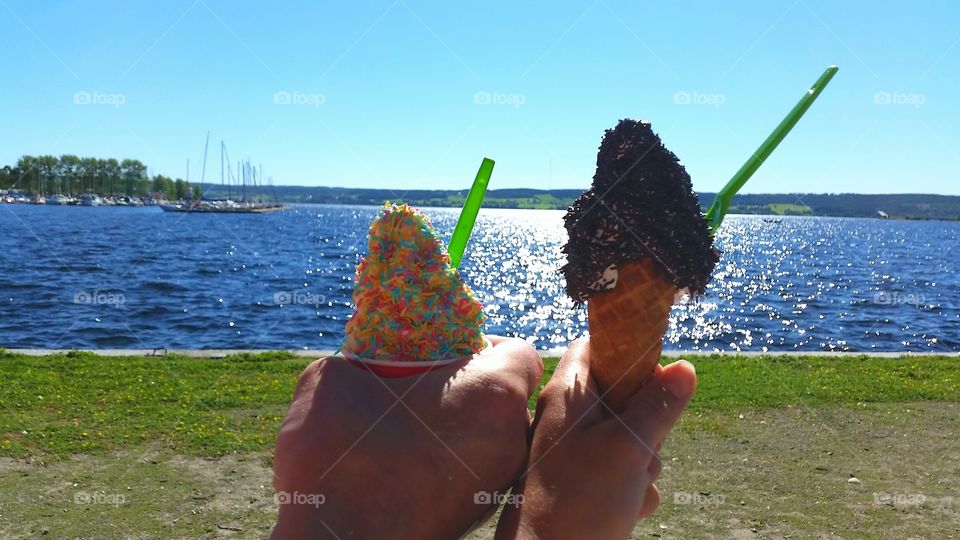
{"x":403,"y":458}
{"x":591,"y":473}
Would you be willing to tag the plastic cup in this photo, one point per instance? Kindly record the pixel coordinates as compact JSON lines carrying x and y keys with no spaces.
{"x":392,"y":369}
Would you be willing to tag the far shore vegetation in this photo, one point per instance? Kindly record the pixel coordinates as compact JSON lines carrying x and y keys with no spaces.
{"x":72,"y":175}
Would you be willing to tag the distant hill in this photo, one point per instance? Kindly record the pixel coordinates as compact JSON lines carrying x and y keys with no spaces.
{"x":901,"y":206}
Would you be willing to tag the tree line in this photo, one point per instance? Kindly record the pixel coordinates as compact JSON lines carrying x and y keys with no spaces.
{"x":73,"y":175}
{"x":902,"y":206}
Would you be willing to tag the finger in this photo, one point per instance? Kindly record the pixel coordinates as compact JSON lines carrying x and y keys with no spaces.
{"x":655,"y":468}
{"x":512,"y":360}
{"x":571,"y":388}
{"x":653,"y":411}
{"x":308,"y":378}
{"x":651,"y":501}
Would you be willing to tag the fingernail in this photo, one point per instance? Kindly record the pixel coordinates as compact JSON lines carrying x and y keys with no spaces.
{"x":681,"y":386}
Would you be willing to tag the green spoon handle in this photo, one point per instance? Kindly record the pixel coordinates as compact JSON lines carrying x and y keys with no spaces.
{"x":468,"y":216}
{"x":721,"y":204}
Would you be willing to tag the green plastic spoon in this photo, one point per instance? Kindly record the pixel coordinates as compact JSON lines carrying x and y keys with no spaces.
{"x":721,"y":204}
{"x":468,"y":216}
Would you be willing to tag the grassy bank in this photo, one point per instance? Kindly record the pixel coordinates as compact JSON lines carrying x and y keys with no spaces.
{"x":769,"y":445}
{"x":81,"y":403}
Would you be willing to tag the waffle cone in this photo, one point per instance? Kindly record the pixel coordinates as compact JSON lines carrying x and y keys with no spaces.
{"x":627,"y":325}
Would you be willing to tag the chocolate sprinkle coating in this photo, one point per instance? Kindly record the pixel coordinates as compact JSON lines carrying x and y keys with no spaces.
{"x":641,"y":204}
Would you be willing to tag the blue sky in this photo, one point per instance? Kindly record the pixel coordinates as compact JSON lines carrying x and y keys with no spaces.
{"x":407,"y":93}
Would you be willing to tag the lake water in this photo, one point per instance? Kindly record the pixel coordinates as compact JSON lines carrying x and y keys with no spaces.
{"x":111,"y":277}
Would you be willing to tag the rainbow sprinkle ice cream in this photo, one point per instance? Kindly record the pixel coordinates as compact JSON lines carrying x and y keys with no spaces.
{"x":411,"y":303}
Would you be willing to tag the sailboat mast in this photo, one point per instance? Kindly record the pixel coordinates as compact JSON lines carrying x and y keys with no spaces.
{"x":223,"y":151}
{"x":203,"y":170}
{"x":243,"y":179}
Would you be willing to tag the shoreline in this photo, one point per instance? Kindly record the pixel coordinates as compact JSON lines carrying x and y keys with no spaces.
{"x":493,"y":205}
{"x":497,"y":204}
{"x":548,"y":353}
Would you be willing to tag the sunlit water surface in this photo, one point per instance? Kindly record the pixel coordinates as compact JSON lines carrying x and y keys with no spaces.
{"x":75,"y":277}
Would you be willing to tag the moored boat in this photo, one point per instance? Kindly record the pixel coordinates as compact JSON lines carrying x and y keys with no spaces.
{"x":90,"y":199}
{"x":248,"y":186}
{"x":58,"y":199}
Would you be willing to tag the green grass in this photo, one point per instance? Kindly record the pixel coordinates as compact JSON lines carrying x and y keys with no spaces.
{"x":81,"y":403}
{"x":777,"y":209}
{"x":729,"y":383}
{"x":790,"y":209}
{"x":542,"y":201}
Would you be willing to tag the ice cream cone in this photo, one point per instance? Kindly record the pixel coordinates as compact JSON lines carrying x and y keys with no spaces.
{"x":412,"y":306}
{"x":640,"y":217}
{"x":627,"y":325}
